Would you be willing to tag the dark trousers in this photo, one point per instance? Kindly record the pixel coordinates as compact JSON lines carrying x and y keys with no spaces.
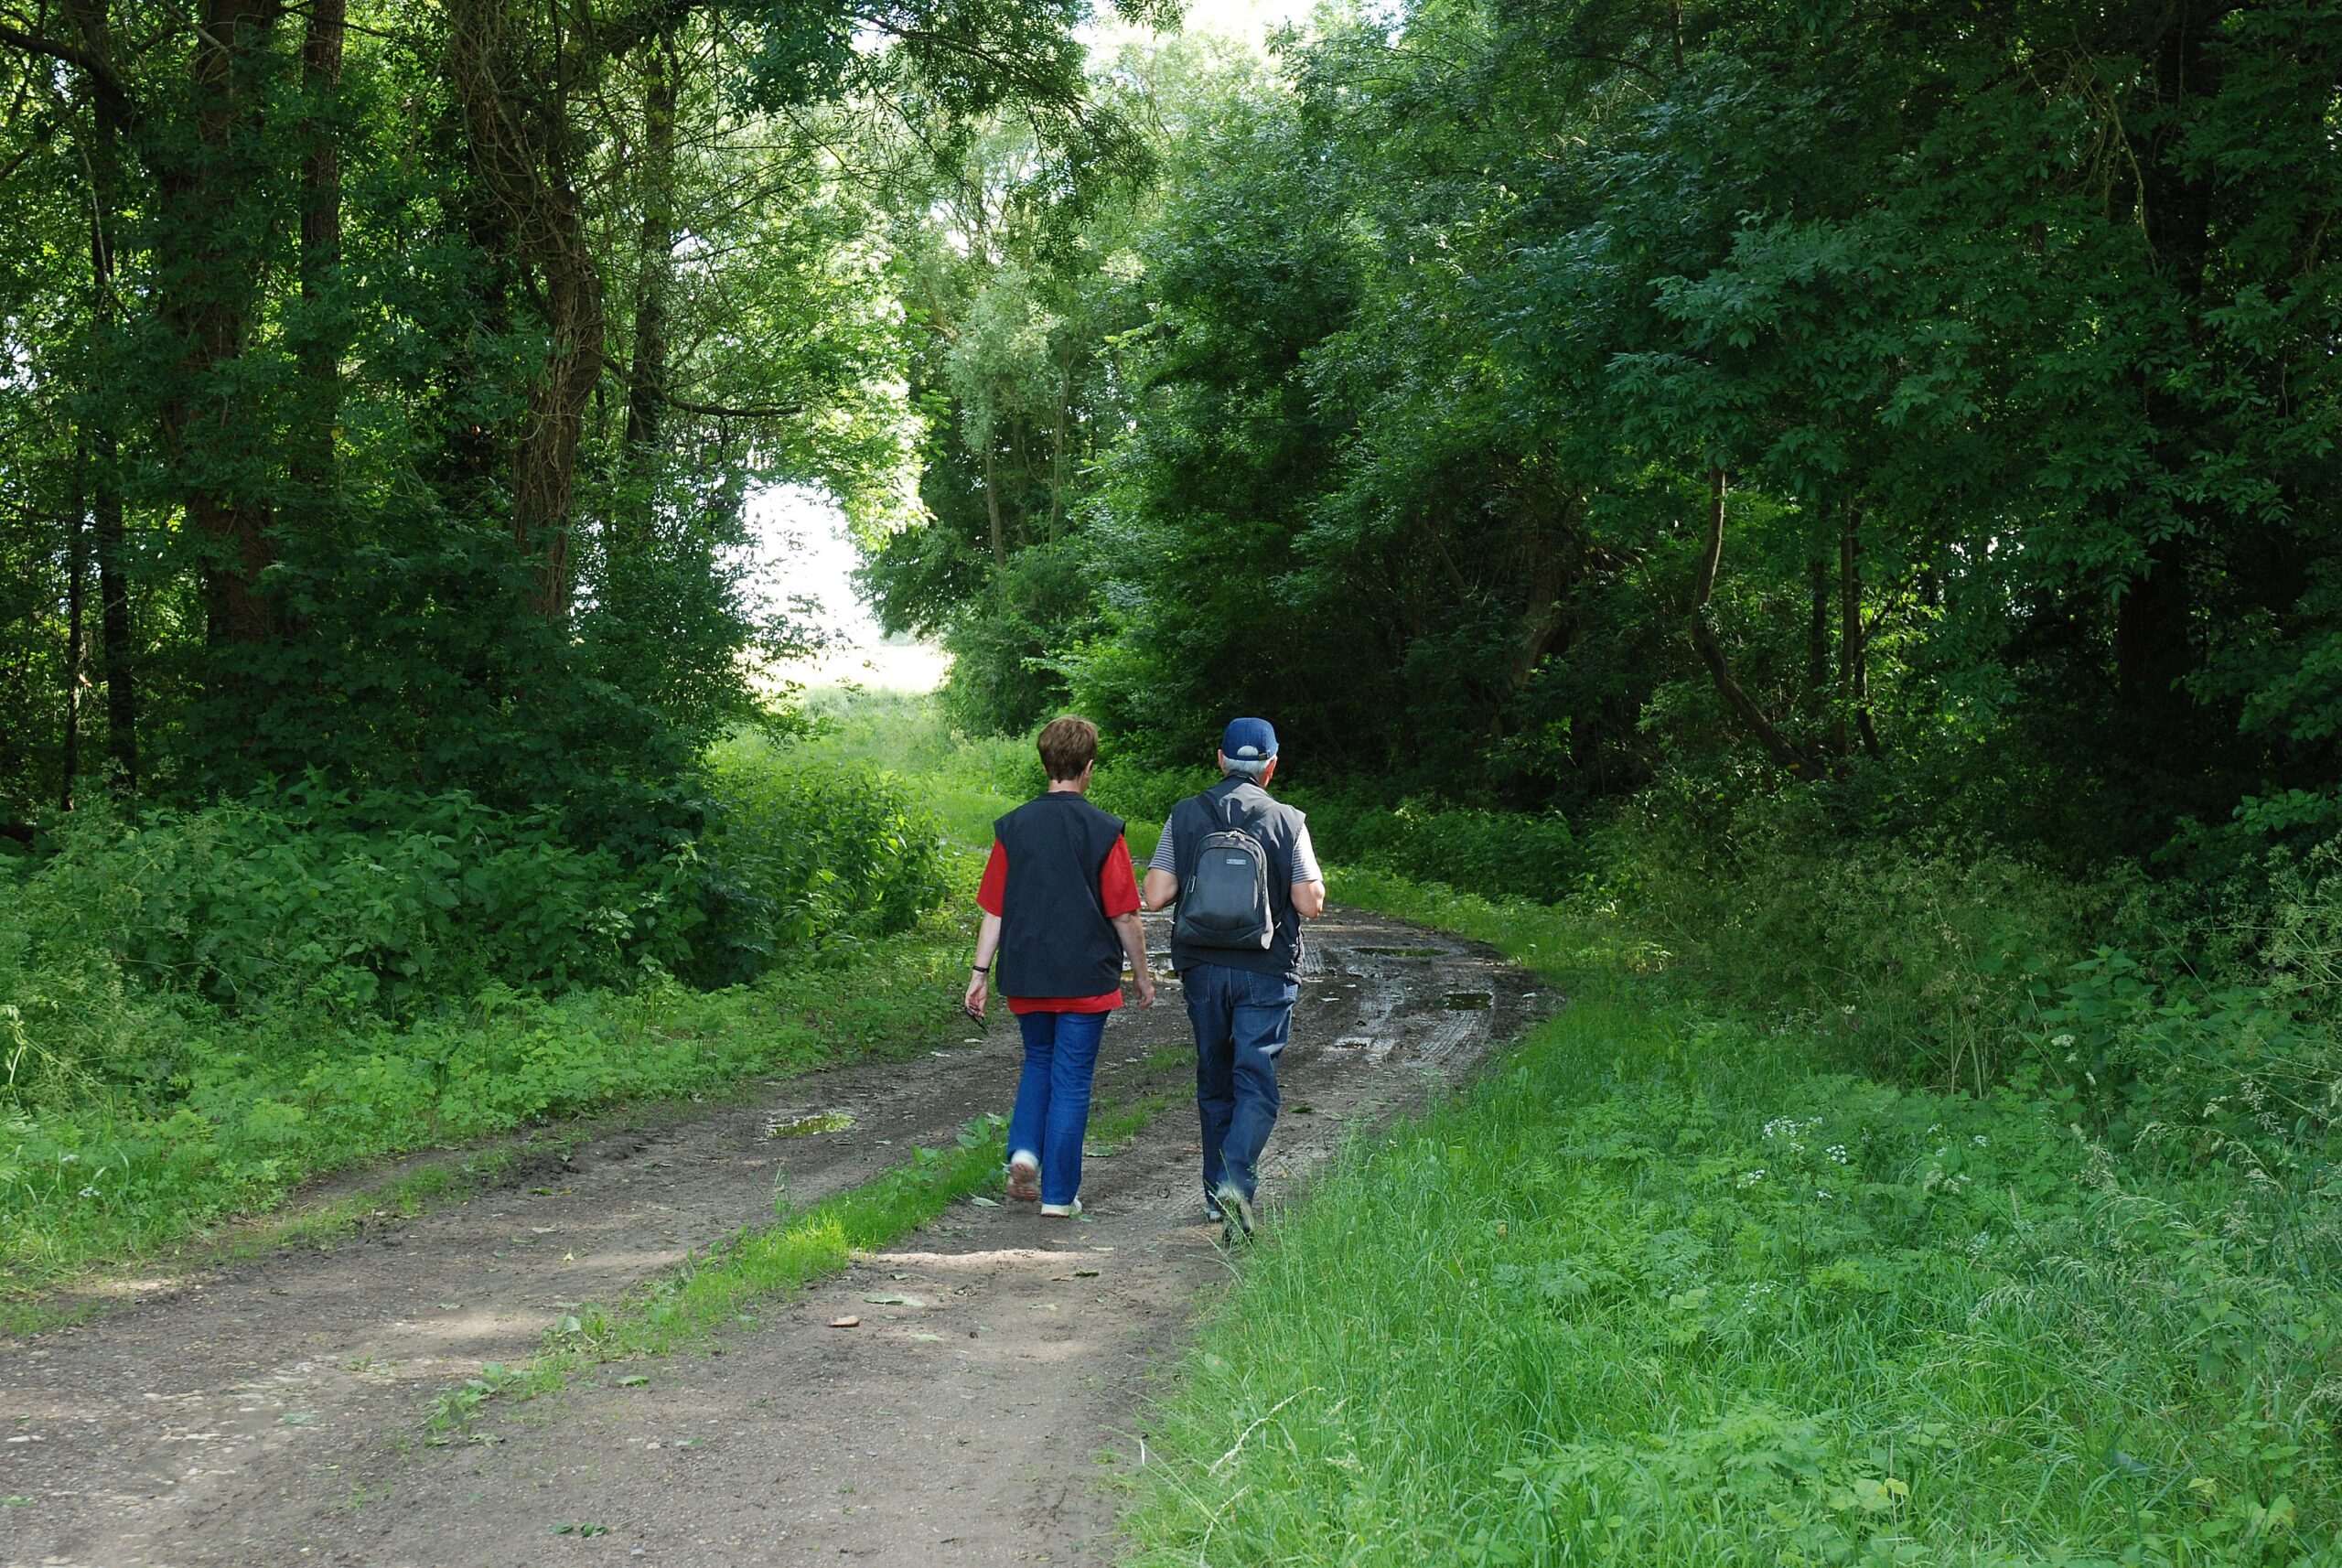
{"x":1241,"y":1021}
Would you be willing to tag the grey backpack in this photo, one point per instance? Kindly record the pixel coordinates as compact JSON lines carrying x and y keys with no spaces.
{"x":1225,"y":901}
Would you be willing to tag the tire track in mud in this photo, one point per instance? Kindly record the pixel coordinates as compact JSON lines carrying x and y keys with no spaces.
{"x":273,"y":1412}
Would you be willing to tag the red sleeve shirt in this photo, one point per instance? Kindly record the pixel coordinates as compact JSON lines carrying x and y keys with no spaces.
{"x":1117,"y":889}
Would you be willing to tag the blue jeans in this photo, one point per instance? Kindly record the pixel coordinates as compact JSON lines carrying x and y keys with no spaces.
{"x":1052,"y":1113}
{"x":1242,"y":1021}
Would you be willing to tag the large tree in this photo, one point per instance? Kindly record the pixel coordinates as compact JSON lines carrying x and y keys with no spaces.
{"x":396,"y":374}
{"x":1575,"y":392}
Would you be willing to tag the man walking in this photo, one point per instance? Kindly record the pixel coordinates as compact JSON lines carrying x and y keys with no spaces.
{"x":1240,"y":868}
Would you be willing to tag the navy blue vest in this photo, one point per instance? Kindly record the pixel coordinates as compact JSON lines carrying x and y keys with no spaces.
{"x":1055,"y":938}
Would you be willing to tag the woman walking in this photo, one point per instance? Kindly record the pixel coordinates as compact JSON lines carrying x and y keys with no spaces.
{"x":1060,"y":914}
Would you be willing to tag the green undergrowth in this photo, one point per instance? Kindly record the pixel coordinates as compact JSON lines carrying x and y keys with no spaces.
{"x":149,"y":1101}
{"x":687,"y":1304}
{"x":965,"y":781}
{"x":1673,"y":1284}
{"x":117,"y":1181}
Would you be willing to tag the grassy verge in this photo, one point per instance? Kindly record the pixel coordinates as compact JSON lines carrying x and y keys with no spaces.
{"x":414,"y":1191}
{"x":704,"y":1294}
{"x":102,"y":1188}
{"x":1666,"y":1288}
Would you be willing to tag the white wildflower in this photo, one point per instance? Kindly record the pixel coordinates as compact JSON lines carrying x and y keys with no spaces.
{"x":1750,"y":1178}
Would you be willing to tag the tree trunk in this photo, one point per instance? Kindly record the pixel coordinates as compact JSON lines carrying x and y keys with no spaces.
{"x":319,"y":343}
{"x":1710,"y":646}
{"x":1817,"y":641}
{"x":211,"y":423}
{"x":655,"y":271}
{"x":2154,"y":650}
{"x":104,"y":478}
{"x":1023,"y":457}
{"x":2156,"y":647}
{"x":1853,"y":647}
{"x":992,"y":511}
{"x":77,"y":576}
{"x":517,"y":126}
{"x":1546,"y":566}
{"x":1057,"y":448}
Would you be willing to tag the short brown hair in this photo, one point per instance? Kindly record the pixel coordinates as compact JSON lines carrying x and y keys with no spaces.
{"x":1068,"y":746}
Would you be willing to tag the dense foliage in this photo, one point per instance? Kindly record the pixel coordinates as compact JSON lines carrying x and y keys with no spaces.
{"x":1546,"y":398}
{"x":200,"y":1009}
{"x":388,"y":380}
{"x":381,"y":750}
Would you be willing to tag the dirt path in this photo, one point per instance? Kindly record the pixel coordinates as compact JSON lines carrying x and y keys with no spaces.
{"x":273,"y":1415}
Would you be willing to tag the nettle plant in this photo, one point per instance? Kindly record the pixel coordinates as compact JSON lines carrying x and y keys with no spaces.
{"x":362,"y":903}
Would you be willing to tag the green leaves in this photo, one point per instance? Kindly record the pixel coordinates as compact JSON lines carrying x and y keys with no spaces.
{"x":807,"y":854}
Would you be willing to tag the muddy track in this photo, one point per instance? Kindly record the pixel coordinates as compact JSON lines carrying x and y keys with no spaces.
{"x":273,"y":1413}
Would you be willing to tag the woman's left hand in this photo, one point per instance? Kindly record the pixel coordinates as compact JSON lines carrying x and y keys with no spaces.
{"x":973,"y":1003}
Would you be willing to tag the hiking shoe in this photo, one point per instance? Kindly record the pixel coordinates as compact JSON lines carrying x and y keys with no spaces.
{"x":1061,"y":1210}
{"x":1239,"y":1222}
{"x":1025,"y":1176}
{"x":1213,"y":1213}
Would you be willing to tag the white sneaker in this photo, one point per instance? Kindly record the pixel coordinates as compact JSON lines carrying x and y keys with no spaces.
{"x":1061,"y":1210}
{"x":1025,"y":1175}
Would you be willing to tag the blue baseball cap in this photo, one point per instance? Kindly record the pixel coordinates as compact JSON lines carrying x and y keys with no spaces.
{"x":1248,"y":740}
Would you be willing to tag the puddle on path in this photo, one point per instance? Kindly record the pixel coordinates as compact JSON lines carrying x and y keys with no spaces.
{"x":1404,"y":953}
{"x":1469,"y":1001}
{"x":807,"y":1125}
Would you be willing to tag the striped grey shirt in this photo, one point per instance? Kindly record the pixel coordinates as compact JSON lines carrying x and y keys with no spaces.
{"x":1304,"y":858}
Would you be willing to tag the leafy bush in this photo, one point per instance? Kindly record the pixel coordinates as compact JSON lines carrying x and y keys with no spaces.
{"x":1144,"y":796}
{"x":2145,"y":1013}
{"x":1498,"y":854}
{"x":369,"y":903}
{"x":240,"y":1109}
{"x":1503,"y":855}
{"x":200,"y":1009}
{"x":803,"y":850}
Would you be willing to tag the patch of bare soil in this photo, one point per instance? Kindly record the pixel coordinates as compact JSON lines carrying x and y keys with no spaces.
{"x":978,"y":1413}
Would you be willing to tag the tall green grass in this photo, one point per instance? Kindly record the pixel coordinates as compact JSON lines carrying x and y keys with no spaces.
{"x":1673,"y":1286}
{"x":111,"y":1179}
{"x":199,"y":1012}
{"x":967,"y":781}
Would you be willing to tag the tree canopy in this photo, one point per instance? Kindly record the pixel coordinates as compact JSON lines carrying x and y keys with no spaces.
{"x":388,"y":379}
{"x":1541,"y":399}
{"x":1524,"y":400}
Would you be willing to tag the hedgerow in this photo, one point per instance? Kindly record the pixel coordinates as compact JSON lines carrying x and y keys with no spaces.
{"x":201,"y":1009}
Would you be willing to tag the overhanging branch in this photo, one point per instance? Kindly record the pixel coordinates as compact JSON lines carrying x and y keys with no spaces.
{"x":712,"y":410}
{"x":1710,"y":645}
